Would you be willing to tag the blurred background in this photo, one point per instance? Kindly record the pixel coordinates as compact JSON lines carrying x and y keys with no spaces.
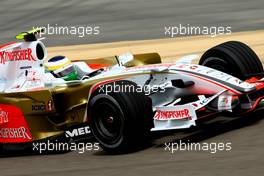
{"x":121,"y":20}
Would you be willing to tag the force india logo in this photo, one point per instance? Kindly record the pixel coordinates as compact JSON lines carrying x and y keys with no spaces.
{"x":14,"y":133}
{"x":16,"y":55}
{"x":172,"y":114}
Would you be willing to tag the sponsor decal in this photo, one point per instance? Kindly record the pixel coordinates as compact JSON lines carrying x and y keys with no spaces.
{"x":215,"y":74}
{"x":204,"y":101}
{"x":16,"y":129}
{"x":15,"y":133}
{"x":179,"y":112}
{"x":78,"y":132}
{"x":194,"y":68}
{"x":172,"y":115}
{"x":224,"y":103}
{"x":16,"y":55}
{"x":42,"y":107}
{"x":3,"y":117}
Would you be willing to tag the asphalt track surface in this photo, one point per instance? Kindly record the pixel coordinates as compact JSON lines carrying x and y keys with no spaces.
{"x":126,"y":19}
{"x":132,"y":20}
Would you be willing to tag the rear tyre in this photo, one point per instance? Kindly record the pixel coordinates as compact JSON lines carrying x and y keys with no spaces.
{"x":234,"y":58}
{"x":121,"y":121}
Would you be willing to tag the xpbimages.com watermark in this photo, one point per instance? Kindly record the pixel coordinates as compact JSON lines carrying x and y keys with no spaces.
{"x":211,"y":147}
{"x":146,"y":89}
{"x":51,"y":146}
{"x":78,"y":31}
{"x":188,"y":29}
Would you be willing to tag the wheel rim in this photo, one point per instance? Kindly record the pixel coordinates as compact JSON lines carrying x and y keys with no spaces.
{"x":108,"y":121}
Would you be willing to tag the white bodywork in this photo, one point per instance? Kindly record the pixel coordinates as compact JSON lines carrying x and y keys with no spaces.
{"x":170,"y":113}
{"x":22,"y":69}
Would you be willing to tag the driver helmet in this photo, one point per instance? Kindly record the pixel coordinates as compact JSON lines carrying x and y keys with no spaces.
{"x":62,"y":67}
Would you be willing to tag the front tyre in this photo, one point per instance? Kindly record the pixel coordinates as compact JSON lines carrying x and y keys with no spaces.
{"x":234,"y":58}
{"x":120,"y":121}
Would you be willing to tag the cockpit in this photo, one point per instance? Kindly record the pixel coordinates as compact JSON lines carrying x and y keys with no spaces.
{"x":62,"y":67}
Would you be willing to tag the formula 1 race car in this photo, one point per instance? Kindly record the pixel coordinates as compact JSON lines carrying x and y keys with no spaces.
{"x":120,"y":99}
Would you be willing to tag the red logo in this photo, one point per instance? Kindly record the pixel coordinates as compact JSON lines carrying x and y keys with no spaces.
{"x":172,"y":115}
{"x":15,"y":133}
{"x":15,"y":129}
{"x":16,"y":55}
